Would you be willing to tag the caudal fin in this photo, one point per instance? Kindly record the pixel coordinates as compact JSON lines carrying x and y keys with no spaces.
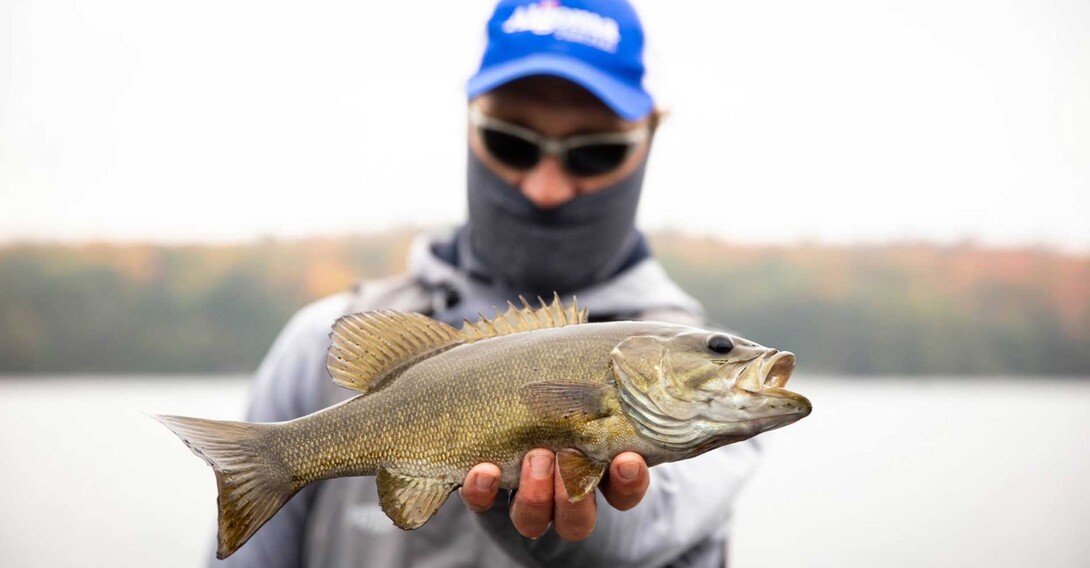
{"x":252,"y":484}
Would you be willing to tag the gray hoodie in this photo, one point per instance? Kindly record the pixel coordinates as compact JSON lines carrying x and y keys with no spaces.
{"x":682,"y":521}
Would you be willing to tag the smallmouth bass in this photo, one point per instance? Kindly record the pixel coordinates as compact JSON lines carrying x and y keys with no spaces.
{"x":437,"y":401}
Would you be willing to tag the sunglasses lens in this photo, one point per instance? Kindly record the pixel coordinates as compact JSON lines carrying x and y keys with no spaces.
{"x":509,"y":149}
{"x":596,"y":159}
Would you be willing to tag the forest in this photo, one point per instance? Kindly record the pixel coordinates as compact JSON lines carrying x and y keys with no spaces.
{"x":899,"y":309}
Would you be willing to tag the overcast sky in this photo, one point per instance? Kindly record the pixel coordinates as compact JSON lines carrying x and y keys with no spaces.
{"x":834,"y":121}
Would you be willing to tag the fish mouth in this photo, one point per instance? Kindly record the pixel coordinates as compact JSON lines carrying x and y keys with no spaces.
{"x":772,"y":370}
{"x":777,"y":368}
{"x":765,"y":377}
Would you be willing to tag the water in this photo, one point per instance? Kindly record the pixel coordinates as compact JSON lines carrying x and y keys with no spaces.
{"x":885,"y":472}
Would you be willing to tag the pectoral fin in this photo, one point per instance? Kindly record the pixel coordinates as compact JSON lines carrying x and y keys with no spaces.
{"x":580,"y":473}
{"x":410,"y":501}
{"x":568,"y":401}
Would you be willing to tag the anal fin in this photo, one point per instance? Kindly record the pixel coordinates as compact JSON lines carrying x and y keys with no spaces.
{"x":410,"y":501}
{"x":579,"y":473}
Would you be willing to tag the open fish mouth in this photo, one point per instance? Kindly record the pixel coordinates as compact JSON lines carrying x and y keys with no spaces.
{"x":777,"y":369}
{"x":772,"y":370}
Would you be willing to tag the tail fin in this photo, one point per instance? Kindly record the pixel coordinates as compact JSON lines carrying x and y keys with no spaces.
{"x":252,"y":484}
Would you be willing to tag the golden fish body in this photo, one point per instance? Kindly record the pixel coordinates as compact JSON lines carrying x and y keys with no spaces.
{"x":439,"y":401}
{"x":467,"y":405}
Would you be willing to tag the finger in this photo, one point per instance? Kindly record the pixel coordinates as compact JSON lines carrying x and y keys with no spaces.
{"x":572,"y":521}
{"x":479,"y":489}
{"x":532,"y":510}
{"x":628,"y":481}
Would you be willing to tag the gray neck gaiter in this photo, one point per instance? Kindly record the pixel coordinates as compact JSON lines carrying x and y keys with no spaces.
{"x":534,"y":251}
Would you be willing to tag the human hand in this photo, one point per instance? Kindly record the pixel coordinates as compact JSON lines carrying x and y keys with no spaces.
{"x":541,"y":498}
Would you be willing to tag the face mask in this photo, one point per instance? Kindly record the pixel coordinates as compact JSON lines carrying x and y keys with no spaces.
{"x":534,"y":251}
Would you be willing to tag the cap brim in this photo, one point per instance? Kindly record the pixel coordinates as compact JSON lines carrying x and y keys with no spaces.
{"x":631,"y":103}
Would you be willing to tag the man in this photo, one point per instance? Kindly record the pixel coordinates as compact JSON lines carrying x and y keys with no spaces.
{"x":559,"y":133}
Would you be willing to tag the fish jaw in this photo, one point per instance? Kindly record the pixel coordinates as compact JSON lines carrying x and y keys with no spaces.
{"x":766,"y":410}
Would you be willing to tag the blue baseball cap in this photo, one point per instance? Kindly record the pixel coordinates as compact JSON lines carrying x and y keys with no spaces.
{"x":597,"y":44}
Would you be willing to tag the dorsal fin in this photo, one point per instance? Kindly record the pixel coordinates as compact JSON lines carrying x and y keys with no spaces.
{"x":526,"y":318}
{"x":370,"y":348}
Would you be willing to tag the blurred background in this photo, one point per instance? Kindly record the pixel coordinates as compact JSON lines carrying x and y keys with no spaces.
{"x":897,"y":191}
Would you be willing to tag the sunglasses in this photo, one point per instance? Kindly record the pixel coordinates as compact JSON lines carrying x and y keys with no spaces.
{"x":583,"y":155}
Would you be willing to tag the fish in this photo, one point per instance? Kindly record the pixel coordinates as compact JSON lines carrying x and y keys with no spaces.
{"x":435,"y":401}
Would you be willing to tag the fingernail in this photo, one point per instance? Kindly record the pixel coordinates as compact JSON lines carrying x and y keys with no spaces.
{"x":629,"y":470}
{"x":485,"y":482}
{"x":541,"y":465}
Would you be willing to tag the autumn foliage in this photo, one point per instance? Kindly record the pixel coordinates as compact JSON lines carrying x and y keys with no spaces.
{"x":894,"y":309}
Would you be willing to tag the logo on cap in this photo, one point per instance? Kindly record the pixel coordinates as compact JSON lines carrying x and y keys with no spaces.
{"x":566,"y":24}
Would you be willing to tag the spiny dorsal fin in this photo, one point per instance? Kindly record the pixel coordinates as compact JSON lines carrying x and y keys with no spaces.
{"x":526,"y":318}
{"x":370,"y":348}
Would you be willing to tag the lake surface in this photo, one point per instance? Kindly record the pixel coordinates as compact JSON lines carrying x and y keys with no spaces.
{"x":885,"y":472}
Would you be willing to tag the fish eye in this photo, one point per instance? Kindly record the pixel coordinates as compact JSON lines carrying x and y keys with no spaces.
{"x":720,"y":343}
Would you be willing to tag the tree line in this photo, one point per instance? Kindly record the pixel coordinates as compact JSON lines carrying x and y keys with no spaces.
{"x":890,"y":309}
